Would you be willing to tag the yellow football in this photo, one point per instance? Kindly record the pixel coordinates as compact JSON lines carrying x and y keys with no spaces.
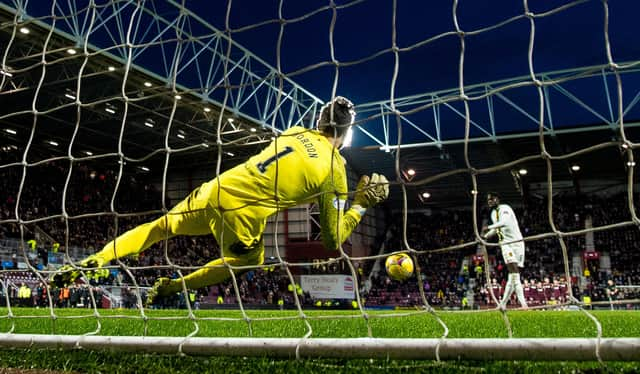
{"x":399,"y":266}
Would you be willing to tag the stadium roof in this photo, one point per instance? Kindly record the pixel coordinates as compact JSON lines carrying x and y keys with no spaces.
{"x":511,"y":167}
{"x":238,"y":68}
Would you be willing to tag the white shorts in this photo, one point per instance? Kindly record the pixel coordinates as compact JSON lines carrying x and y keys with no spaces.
{"x":513,"y":253}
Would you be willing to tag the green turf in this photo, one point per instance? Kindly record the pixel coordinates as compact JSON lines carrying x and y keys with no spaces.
{"x":334,"y":324}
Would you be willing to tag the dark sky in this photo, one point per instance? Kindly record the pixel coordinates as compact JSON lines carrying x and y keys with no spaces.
{"x":570,"y":38}
{"x":568,"y":35}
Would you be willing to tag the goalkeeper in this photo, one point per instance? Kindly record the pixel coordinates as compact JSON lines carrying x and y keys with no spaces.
{"x":300,"y":166}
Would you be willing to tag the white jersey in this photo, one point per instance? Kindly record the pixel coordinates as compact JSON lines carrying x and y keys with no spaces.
{"x":505,"y":224}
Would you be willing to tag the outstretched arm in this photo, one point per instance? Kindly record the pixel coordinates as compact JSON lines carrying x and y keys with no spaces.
{"x":337,"y":225}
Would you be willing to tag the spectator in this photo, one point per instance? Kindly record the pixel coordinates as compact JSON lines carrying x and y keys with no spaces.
{"x":24,"y":295}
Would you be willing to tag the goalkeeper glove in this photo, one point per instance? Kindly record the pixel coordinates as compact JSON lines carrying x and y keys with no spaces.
{"x":161,"y":288}
{"x":68,"y":274}
{"x":371,"y":190}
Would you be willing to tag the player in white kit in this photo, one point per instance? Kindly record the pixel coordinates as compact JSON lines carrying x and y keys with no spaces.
{"x":505,"y":225}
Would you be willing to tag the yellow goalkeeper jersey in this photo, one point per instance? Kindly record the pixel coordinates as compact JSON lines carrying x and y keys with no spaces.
{"x":300,"y":166}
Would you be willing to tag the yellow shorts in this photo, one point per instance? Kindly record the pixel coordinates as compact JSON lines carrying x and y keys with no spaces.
{"x":196,"y":216}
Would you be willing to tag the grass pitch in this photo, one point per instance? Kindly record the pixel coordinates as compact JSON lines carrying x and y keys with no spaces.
{"x":324,"y":324}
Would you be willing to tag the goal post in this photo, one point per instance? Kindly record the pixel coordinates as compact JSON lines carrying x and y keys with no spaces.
{"x":542,"y":349}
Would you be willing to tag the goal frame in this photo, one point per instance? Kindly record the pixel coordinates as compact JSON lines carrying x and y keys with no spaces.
{"x":529,"y":349}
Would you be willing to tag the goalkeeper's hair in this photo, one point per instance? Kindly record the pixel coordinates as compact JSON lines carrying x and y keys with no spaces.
{"x":343,"y":117}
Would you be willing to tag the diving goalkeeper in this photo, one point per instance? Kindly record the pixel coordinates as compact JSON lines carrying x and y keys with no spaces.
{"x":299,"y":166}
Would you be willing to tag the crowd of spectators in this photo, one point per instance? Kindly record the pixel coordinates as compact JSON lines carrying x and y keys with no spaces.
{"x":452,"y":272}
{"x":76,"y":211}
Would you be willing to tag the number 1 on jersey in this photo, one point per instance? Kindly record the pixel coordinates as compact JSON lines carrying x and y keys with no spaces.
{"x":262,"y":166}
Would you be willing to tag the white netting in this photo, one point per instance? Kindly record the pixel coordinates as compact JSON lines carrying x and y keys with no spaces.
{"x":112,"y":112}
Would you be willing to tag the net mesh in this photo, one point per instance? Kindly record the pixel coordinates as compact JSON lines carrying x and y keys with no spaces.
{"x":106,"y":102}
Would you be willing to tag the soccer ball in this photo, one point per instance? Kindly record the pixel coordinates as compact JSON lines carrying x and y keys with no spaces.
{"x":399,"y":266}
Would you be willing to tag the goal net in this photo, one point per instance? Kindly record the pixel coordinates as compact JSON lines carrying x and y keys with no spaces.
{"x":112,"y":112}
